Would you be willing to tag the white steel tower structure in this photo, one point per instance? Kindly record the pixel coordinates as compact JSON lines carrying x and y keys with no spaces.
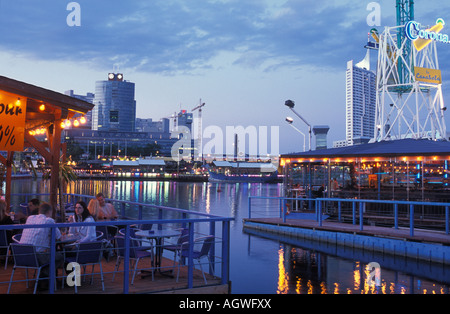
{"x":409,"y":85}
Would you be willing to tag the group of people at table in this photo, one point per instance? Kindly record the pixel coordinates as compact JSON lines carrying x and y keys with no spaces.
{"x":42,"y":213}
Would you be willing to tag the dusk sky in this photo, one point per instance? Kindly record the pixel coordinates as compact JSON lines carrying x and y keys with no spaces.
{"x":243,"y":58}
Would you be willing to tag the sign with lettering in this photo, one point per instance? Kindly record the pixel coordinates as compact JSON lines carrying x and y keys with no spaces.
{"x":428,"y":75}
{"x":12,"y":121}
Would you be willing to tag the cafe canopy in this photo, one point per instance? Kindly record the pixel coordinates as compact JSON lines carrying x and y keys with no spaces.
{"x":26,"y":110}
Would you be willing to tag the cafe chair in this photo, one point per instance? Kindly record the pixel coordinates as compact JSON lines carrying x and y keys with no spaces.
{"x":176,"y":247}
{"x":25,"y":257}
{"x":206,"y":245}
{"x":135,"y":254}
{"x":139,"y":242}
{"x":4,"y":245}
{"x":16,"y":238}
{"x":88,"y":253}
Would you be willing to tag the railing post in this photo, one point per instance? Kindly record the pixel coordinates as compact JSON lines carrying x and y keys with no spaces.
{"x":354,"y":212}
{"x":212,"y":231}
{"x":190,"y":255}
{"x":126,"y":261}
{"x":339,"y":211}
{"x":396,"y":216}
{"x":225,"y":251}
{"x":320,"y":212}
{"x":411,"y":220}
{"x":52,"y":272}
{"x":447,"y":220}
{"x":361,"y":205}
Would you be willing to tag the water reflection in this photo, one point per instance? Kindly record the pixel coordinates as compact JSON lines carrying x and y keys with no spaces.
{"x":302,"y":271}
{"x":263,"y":264}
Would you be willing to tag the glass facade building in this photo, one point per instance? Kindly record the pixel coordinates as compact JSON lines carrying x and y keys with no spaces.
{"x":115,"y":106}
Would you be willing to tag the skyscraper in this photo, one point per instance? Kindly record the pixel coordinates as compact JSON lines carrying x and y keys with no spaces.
{"x":115,"y":106}
{"x":360,"y":101}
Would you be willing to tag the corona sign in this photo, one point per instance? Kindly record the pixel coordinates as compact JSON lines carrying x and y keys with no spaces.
{"x":423,"y":37}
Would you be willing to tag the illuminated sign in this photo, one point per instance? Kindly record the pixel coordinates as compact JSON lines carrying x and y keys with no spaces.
{"x":428,"y":75}
{"x":13,"y":110}
{"x":423,"y":37}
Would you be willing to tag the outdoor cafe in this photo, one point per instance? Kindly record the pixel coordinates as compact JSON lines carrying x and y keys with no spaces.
{"x":168,"y":239}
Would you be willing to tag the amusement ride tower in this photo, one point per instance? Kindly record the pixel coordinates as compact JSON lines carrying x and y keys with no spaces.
{"x":409,"y":83}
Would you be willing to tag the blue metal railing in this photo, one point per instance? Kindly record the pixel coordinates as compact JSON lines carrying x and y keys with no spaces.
{"x":358,"y":208}
{"x":166,"y":216}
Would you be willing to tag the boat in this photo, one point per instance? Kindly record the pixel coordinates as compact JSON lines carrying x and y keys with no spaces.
{"x":245,"y":178}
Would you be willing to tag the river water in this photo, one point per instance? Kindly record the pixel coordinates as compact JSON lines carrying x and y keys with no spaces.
{"x":263,"y":264}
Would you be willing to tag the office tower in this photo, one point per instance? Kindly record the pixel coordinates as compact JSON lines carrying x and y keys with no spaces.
{"x":115,"y":106}
{"x":89,"y":97}
{"x":360,"y":101}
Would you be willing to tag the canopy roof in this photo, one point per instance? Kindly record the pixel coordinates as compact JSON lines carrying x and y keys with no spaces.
{"x":58,"y":107}
{"x":395,"y":148}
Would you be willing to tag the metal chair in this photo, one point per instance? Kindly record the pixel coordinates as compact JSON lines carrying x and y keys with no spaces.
{"x":16,"y":237}
{"x":176,"y":247}
{"x":88,"y":253}
{"x":207,"y":243}
{"x":4,"y":245}
{"x":25,"y":257}
{"x":135,"y":254}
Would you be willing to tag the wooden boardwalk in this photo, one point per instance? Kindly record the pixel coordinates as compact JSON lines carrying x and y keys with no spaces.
{"x":376,"y":231}
{"x":161,"y":283}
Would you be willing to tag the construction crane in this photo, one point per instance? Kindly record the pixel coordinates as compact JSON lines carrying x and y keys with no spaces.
{"x":200,"y":130}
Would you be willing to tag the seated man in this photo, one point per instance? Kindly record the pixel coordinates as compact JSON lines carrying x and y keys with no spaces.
{"x":106,"y":211}
{"x":41,"y":237}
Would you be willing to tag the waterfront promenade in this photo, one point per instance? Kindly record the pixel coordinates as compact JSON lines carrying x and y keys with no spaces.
{"x":394,"y":237}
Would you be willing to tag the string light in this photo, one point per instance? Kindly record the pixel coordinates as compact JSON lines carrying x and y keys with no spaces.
{"x":64,"y":124}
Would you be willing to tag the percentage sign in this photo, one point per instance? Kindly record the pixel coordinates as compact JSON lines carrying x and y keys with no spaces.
{"x":11,"y":138}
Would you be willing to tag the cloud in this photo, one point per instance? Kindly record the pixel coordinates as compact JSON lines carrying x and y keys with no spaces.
{"x":177,"y":36}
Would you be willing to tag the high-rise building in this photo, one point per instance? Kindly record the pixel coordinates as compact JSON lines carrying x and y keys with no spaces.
{"x":360,"y":101}
{"x":115,"y":106}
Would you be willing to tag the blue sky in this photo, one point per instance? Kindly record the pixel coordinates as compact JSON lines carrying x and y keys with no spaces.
{"x":243,"y":58}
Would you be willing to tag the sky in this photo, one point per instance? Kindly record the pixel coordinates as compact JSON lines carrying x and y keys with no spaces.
{"x":242,"y":58}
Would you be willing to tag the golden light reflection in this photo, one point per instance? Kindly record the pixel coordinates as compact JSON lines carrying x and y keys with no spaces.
{"x":283,"y":284}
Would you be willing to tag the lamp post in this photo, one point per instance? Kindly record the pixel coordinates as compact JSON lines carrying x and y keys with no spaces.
{"x":289,"y":120}
{"x":291,"y":104}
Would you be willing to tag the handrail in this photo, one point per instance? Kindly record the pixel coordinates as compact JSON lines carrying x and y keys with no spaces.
{"x":127,"y":222}
{"x":362,"y":202}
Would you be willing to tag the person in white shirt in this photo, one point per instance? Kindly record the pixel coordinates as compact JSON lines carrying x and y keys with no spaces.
{"x":82,"y":214}
{"x":41,"y":237}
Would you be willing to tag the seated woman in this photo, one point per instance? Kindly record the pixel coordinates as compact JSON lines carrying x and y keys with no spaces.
{"x":82,"y":214}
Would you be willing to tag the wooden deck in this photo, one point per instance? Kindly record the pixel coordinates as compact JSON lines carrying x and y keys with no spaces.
{"x":376,"y":231}
{"x":161,"y":283}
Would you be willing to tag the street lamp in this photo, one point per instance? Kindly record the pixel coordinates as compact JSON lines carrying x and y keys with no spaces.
{"x":289,"y":120}
{"x":291,"y":105}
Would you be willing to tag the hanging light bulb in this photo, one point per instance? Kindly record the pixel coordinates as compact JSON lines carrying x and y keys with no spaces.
{"x":82,"y":120}
{"x":68,"y":123}
{"x":63,"y":125}
{"x":76,"y":123}
{"x":42,"y":107}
